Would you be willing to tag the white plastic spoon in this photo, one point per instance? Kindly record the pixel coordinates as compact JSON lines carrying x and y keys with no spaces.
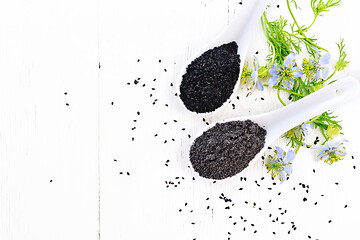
{"x":240,"y":31}
{"x":283,"y":119}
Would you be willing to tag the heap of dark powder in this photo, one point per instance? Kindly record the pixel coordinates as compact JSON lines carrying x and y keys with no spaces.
{"x":226,"y":149}
{"x":210,"y":79}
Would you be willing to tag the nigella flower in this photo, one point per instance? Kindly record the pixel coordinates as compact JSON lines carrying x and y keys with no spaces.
{"x":333,"y":151}
{"x":285,"y":73}
{"x":280,"y":163}
{"x":316,"y":68}
{"x":255,"y":77}
{"x":305,"y":127}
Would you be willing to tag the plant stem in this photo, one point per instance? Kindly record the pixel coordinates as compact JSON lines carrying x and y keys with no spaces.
{"x":286,"y":90}
{"x":278,"y":94}
{"x":331,"y":75}
{"x":312,"y":22}
{"x":300,"y":30}
{"x":268,"y":38}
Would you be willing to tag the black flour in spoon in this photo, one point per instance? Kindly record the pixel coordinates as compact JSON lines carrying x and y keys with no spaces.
{"x":210,"y":79}
{"x":226,"y":149}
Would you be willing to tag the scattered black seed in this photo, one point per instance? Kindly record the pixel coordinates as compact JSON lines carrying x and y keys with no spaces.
{"x":165,"y":70}
{"x":314,"y":170}
{"x":352,"y":157}
{"x":128,"y":83}
{"x":337,"y":183}
{"x":127,"y":173}
{"x":226,"y":149}
{"x":65,"y":93}
{"x":315,"y":203}
{"x":136,"y":81}
{"x":138,"y":113}
{"x":121,"y":172}
{"x":345,"y":206}
{"x":354,"y":167}
{"x":309,"y":237}
{"x":210,"y":79}
{"x":234,"y":223}
{"x":278,"y":6}
{"x":330,"y":221}
{"x":262,"y":98}
{"x":304,"y":199}
{"x":115,"y":160}
{"x":132,"y":139}
{"x":138,"y":60}
{"x":50,"y":180}
{"x":67,"y":104}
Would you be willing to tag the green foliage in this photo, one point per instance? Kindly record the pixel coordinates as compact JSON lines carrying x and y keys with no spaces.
{"x":285,"y":37}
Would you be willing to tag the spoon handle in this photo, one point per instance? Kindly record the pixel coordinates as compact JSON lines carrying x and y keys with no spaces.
{"x":292,"y":115}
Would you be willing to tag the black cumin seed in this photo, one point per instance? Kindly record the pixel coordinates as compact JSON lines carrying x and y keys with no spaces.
{"x":210,"y":79}
{"x":225,"y":143}
{"x":304,"y":199}
{"x":345,"y":206}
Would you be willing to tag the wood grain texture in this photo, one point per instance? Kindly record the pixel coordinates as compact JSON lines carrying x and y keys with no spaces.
{"x":105,"y":166}
{"x":49,"y":156}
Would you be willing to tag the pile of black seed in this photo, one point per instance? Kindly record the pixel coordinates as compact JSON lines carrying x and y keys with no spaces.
{"x":226,"y":149}
{"x":210,"y":79}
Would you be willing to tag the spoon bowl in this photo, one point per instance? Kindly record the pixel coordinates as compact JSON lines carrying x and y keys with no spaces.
{"x":283,"y":119}
{"x":239,"y":31}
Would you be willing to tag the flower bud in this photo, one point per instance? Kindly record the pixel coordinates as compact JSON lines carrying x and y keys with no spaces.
{"x":332,"y":131}
{"x":263,"y":72}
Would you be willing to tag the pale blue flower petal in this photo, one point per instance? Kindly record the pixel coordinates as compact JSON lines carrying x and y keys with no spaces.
{"x":273,"y":81}
{"x":325,"y":72}
{"x":325,"y":59}
{"x":282,"y":176}
{"x":260,"y":86}
{"x":290,"y":59}
{"x":274,"y":70}
{"x":297,"y":72}
{"x":280,"y":152}
{"x":319,"y":147}
{"x":290,"y":156}
{"x":254,"y":75}
{"x":288,"y":169}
